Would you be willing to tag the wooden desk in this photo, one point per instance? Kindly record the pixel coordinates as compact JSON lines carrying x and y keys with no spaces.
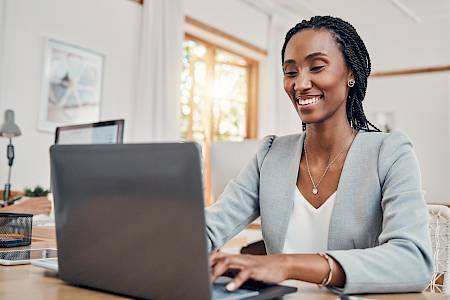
{"x":30,"y":282}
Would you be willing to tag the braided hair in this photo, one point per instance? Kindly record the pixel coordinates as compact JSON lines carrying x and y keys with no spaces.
{"x":356,"y":58}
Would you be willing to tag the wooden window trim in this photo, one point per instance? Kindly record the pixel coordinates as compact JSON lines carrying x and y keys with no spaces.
{"x":253,"y":70}
{"x":218,"y":32}
{"x":252,"y":107}
{"x":222,"y":34}
{"x":412,"y":71}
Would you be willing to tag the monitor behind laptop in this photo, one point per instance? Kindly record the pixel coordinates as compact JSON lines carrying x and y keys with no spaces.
{"x":104,"y":132}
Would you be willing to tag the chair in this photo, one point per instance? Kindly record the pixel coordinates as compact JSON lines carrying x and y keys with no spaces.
{"x":227,"y":160}
{"x":439,"y":221}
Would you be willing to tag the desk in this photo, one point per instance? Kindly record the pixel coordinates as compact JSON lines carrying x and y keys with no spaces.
{"x":30,"y":282}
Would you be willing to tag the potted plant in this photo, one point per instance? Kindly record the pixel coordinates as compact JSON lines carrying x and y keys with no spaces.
{"x":38,"y":191}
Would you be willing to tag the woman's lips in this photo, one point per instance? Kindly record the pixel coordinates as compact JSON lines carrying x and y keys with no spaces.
{"x":307,"y":103}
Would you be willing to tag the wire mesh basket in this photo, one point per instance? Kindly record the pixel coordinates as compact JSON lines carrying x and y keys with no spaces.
{"x":15,"y":229}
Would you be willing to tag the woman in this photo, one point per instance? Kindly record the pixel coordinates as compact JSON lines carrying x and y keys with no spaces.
{"x":341,"y":204}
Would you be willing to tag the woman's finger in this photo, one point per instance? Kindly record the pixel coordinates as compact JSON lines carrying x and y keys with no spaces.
{"x":238,"y":280}
{"x":222,"y":266}
{"x":214,"y":256}
{"x":219,"y":268}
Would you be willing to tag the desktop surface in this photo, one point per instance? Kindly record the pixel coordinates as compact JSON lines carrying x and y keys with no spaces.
{"x":31,"y":282}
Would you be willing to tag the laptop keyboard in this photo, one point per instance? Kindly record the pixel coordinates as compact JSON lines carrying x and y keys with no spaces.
{"x":219,"y":292}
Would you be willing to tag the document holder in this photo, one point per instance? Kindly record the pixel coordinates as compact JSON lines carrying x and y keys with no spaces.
{"x":15,"y":229}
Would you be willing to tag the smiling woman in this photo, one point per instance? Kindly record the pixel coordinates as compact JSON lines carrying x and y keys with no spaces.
{"x":333,"y":60}
{"x":341,"y":204}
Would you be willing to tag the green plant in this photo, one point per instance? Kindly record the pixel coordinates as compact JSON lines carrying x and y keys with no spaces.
{"x":37,"y":192}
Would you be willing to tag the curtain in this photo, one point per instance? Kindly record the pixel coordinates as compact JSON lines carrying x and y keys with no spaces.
{"x":277,"y":113}
{"x":156,"y":112}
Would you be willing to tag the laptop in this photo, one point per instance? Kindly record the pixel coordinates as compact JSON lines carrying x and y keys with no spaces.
{"x":130,"y":220}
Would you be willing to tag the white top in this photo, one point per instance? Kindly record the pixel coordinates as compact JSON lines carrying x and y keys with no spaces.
{"x":307,"y":231}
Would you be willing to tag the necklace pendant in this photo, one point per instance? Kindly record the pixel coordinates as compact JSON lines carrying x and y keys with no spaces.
{"x":315,"y":191}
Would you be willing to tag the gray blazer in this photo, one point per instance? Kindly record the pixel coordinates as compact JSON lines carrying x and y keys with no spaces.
{"x":379,"y":226}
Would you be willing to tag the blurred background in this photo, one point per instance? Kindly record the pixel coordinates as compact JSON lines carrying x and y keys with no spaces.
{"x":210,"y":71}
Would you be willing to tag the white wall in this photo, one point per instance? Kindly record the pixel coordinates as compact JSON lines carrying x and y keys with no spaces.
{"x":110,"y":27}
{"x":407,"y":45}
{"x":233,"y":17}
{"x":2,"y":35}
{"x":421,"y":107}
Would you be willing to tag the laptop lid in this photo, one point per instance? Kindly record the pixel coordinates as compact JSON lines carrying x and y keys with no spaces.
{"x":130,"y":219}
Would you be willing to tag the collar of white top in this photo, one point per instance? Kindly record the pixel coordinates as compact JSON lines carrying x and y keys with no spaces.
{"x":310,"y":206}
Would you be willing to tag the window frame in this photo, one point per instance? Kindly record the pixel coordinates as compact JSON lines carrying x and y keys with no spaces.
{"x":252,"y":85}
{"x":251,"y":107}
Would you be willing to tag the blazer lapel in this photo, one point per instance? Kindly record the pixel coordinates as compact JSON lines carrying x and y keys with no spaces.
{"x":344,"y":201}
{"x":277,"y":186}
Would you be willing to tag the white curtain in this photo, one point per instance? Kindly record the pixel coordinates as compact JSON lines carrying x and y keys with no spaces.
{"x":159,"y":69}
{"x":277,"y":115}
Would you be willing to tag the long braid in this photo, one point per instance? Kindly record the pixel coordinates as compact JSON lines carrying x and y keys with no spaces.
{"x":356,"y":58}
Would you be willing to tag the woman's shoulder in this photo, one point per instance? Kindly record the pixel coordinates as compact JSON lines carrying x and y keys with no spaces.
{"x":281,"y":140}
{"x":389,"y":148}
{"x":383,"y":139}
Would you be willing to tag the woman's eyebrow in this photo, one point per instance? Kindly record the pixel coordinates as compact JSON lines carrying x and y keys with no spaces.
{"x":314,"y":54}
{"x":307,"y":57}
{"x":289,"y":61}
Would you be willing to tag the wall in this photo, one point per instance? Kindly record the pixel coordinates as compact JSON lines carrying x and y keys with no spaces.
{"x":421,"y":107}
{"x":110,"y":27}
{"x":407,"y":44}
{"x":233,"y":17}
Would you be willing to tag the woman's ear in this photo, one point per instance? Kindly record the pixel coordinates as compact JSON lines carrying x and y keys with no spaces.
{"x":350,"y":80}
{"x":350,"y":76}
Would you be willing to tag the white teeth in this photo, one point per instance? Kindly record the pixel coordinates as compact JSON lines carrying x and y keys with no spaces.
{"x":308,"y":101}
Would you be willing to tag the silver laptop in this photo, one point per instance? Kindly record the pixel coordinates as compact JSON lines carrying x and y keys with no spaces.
{"x":130,"y":220}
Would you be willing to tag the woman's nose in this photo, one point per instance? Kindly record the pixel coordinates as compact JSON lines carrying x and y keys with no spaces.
{"x":302,"y":83}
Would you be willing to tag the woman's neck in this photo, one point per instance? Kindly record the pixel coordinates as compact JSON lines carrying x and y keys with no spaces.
{"x":328,"y":138}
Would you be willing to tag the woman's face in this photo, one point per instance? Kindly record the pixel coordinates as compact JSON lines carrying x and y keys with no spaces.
{"x":316,"y":76}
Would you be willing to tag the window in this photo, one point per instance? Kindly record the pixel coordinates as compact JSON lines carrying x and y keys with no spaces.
{"x":218,"y":97}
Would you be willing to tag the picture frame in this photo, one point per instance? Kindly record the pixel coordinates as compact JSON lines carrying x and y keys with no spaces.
{"x":71,"y":85}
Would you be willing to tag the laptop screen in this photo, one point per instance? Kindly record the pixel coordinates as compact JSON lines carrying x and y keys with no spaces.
{"x":106,"y":132}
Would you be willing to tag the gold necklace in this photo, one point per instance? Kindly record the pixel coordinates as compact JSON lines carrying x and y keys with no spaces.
{"x":315,"y":189}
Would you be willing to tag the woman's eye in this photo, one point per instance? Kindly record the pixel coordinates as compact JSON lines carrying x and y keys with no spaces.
{"x":317,"y":68}
{"x":290,"y":73}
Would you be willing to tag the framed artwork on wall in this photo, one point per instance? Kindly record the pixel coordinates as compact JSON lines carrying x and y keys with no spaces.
{"x":71,"y":87}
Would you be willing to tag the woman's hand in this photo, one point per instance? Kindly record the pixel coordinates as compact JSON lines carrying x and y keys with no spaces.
{"x":35,"y":206}
{"x":271,"y":268}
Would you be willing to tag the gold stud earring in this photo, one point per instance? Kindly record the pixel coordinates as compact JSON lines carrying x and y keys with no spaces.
{"x":351,"y":83}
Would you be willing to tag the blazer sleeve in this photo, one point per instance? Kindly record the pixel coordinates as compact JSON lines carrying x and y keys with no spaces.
{"x":402,"y":261}
{"x":238,"y":205}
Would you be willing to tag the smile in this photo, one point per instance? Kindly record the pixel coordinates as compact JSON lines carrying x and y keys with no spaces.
{"x":302,"y":101}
